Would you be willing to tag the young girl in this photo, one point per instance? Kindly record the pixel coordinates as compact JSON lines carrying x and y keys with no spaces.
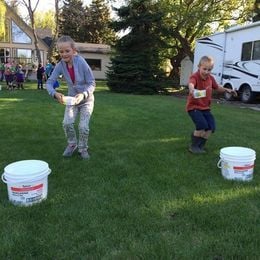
{"x":81,"y":85}
{"x":201,"y":85}
{"x":20,"y":77}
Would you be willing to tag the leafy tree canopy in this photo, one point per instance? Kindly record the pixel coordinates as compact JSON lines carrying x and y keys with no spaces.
{"x":2,"y":18}
{"x":186,"y":20}
{"x":45,"y":20}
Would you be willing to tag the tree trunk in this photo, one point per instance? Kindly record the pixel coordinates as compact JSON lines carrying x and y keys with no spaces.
{"x":31,"y":15}
{"x":56,"y":31}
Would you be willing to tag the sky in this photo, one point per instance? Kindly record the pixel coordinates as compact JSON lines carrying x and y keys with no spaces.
{"x":45,"y":5}
{"x":49,"y":4}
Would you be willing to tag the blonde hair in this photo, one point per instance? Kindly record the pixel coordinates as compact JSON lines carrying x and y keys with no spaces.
{"x":67,"y":39}
{"x":206,"y":59}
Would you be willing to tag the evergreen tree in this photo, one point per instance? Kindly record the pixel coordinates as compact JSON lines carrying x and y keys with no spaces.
{"x":97,"y":23}
{"x":135,"y":66}
{"x":72,"y":20}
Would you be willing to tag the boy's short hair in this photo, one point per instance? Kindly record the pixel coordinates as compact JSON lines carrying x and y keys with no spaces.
{"x":208,"y":59}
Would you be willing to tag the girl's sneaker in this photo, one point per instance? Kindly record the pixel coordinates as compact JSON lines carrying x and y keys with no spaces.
{"x":84,"y":153}
{"x":70,"y":149}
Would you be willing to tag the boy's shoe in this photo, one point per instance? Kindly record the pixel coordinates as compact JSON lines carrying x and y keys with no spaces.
{"x":84,"y":154}
{"x":195,"y":145}
{"x":194,"y":149}
{"x":70,"y":149}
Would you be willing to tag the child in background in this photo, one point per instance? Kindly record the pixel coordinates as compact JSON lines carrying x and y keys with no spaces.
{"x":81,"y":86}
{"x":40,"y":76}
{"x":2,"y":71}
{"x":201,"y":84}
{"x":48,"y":69}
{"x":20,"y":77}
{"x":9,"y":76}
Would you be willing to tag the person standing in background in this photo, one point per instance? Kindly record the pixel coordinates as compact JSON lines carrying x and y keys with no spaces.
{"x":20,"y":77}
{"x":48,"y":69}
{"x":40,"y":76}
{"x":2,"y":71}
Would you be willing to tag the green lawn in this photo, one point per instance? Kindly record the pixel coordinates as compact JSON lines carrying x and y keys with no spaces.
{"x":141,"y":195}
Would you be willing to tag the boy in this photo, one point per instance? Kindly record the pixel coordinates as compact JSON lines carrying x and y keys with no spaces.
{"x":201,"y":84}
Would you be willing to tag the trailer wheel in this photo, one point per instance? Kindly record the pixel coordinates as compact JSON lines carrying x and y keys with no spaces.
{"x":227,"y":96}
{"x":246,"y":94}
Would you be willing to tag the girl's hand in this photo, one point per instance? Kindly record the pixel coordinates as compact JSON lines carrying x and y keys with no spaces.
{"x":59,"y":97}
{"x":79,"y":97}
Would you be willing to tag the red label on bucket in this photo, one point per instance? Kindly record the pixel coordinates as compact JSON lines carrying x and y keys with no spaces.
{"x":27,"y":188}
{"x":243,"y":168}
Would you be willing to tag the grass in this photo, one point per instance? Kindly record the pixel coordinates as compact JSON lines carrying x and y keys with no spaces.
{"x":142,"y":195}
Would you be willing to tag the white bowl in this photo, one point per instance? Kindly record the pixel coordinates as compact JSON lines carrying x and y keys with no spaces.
{"x":69,"y":100}
{"x":199,"y":93}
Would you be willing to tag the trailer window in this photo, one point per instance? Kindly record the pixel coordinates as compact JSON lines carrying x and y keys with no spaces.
{"x":246,"y":51}
{"x":256,"y":51}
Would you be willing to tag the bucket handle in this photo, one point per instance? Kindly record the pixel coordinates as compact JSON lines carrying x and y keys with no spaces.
{"x":3,"y":178}
{"x":219,"y":164}
{"x":24,"y":180}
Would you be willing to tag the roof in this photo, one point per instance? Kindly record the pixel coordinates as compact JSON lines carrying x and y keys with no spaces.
{"x":93,"y":48}
{"x":45,"y":35}
{"x":242,"y":27}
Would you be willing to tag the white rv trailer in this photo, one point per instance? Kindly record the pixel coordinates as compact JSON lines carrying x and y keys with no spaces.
{"x":236,"y":54}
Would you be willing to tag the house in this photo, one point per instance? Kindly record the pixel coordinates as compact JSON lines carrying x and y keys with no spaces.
{"x":18,"y":44}
{"x":97,"y":56}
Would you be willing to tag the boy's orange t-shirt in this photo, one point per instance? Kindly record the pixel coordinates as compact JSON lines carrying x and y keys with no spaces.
{"x":207,"y":84}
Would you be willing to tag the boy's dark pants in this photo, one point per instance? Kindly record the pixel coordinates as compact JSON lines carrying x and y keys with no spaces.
{"x":203,"y":120}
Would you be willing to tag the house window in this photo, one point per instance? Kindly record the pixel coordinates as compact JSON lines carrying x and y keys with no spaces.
{"x":5,"y":35}
{"x":94,"y":64}
{"x":23,"y":56}
{"x":18,"y":35}
{"x":246,"y":51}
{"x":256,"y":50}
{"x":4,"y":54}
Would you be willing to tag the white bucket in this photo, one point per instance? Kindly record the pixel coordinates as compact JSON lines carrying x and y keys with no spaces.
{"x":237,"y":163}
{"x":27,"y":181}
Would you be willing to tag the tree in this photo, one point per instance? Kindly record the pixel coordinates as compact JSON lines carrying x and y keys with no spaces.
{"x":2,"y":19}
{"x":136,"y":64}
{"x":31,"y":12}
{"x":72,"y":19}
{"x":45,"y":20}
{"x":55,"y":32}
{"x":186,"y":20}
{"x":256,"y":16}
{"x":97,"y":23}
